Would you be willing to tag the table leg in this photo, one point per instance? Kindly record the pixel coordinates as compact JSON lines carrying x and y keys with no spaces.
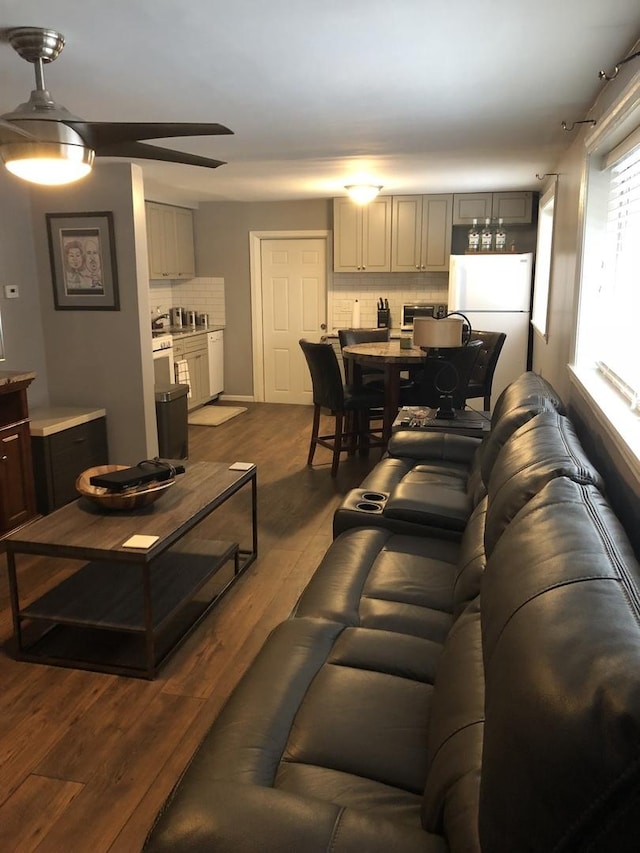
{"x":15,"y":600}
{"x":392,"y":398}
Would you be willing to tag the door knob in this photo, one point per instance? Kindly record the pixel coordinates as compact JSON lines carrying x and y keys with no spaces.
{"x":323,"y":325}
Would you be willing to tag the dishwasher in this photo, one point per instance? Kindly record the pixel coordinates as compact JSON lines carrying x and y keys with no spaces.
{"x":215,"y":345}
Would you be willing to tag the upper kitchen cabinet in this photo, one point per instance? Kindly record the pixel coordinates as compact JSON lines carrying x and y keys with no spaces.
{"x":362,"y":235}
{"x":421,"y":233}
{"x":512,"y":207}
{"x":170,"y":241}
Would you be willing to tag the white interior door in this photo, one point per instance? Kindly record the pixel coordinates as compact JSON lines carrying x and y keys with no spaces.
{"x":294,"y":299}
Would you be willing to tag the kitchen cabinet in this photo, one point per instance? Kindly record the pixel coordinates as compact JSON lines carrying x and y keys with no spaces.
{"x":170,"y":241}
{"x":194,"y":349}
{"x":64,"y":443}
{"x":17,"y":490}
{"x":362,"y":235}
{"x":512,"y":207}
{"x":421,"y":233}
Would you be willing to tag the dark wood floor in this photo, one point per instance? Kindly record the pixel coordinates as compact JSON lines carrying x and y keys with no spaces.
{"x":86,"y":759}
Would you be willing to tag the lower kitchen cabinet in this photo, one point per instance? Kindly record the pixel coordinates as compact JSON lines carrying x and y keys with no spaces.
{"x":195,"y":351}
{"x":64,"y":443}
{"x":17,"y":493}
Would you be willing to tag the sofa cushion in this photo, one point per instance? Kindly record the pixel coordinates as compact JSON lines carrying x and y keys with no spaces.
{"x":561,"y":645}
{"x":454,"y":745}
{"x":472,"y":560}
{"x":377,"y":579}
{"x":542,"y":449}
{"x":295,"y":740}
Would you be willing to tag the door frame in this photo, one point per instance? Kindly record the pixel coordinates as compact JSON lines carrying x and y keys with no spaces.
{"x":255,"y":263}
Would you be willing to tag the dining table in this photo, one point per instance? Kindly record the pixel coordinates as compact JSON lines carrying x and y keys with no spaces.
{"x":393,"y":359}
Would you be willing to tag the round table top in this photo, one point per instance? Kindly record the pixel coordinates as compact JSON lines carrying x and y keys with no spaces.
{"x":385,"y":352}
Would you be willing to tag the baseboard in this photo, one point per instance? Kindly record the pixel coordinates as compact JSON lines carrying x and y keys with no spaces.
{"x":236,"y":398}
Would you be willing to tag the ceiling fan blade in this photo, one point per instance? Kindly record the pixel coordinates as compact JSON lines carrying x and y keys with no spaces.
{"x":100,"y":133}
{"x":142,"y":151}
{"x":10,"y":133}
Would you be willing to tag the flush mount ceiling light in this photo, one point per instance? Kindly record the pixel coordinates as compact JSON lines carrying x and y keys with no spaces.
{"x":42,"y":142}
{"x":362,"y":193}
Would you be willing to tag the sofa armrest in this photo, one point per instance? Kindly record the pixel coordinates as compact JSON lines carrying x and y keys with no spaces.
{"x":232,"y":817}
{"x":448,"y":446}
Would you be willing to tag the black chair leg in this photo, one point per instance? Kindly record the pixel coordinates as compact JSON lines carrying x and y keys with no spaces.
{"x":315,"y":428}
{"x":487,"y":403}
{"x":337,"y":444}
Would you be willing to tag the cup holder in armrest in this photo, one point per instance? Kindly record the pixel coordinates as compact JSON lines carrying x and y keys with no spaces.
{"x":369,"y":506}
{"x":374,"y":497}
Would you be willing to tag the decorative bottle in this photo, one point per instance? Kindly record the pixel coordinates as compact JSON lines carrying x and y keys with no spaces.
{"x":474,"y":237}
{"x":486,"y":238}
{"x":501,"y":238}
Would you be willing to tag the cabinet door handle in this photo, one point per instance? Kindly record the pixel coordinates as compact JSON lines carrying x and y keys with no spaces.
{"x":11,"y":438}
{"x":4,"y":458}
{"x":79,"y":440}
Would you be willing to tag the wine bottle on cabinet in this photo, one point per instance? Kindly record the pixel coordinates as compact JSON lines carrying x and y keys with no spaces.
{"x":501,"y":237}
{"x":486,"y":238}
{"x":473,"y":243}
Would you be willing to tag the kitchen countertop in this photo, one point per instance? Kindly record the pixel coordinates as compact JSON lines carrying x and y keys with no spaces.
{"x":49,"y":420}
{"x":185,"y":333}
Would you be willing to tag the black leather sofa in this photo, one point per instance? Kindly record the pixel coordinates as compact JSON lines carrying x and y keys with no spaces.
{"x":433,"y":692}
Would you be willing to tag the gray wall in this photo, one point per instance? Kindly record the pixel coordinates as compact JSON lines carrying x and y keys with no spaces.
{"x":102,"y":358}
{"x":222,"y":249}
{"x":21,"y":320}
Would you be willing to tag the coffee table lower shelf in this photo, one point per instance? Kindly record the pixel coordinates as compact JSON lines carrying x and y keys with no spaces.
{"x":126,"y":618}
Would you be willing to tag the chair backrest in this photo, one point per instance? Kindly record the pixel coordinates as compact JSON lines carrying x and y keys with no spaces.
{"x":448,"y":371}
{"x":326,"y":379}
{"x":485,"y":366}
{"x":349,"y":337}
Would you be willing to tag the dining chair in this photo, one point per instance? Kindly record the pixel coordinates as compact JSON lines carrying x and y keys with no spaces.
{"x":349,"y":337}
{"x":444,"y":377}
{"x":482,"y":374}
{"x":351,"y":407}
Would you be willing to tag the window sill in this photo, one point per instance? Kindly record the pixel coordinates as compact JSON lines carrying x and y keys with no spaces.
{"x":612,"y":411}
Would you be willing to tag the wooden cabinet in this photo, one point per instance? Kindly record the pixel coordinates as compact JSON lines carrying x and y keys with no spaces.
{"x":362,"y":235}
{"x":421,"y":233}
{"x":17,"y":492}
{"x":64,"y":443}
{"x":512,"y":207}
{"x":170,"y":241}
{"x":194,"y":349}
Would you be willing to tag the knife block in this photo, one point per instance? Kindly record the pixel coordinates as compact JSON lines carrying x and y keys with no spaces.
{"x":384,"y":318}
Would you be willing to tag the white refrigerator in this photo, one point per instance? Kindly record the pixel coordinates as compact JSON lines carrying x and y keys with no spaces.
{"x":494,"y":292}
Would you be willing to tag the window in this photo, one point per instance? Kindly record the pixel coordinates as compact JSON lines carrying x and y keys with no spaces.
{"x":609,"y":318}
{"x":540,"y":311}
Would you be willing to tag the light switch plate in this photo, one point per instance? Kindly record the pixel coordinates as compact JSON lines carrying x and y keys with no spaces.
{"x":11,"y":291}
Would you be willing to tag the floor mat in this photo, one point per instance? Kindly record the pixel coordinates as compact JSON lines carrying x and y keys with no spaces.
{"x":214,"y":415}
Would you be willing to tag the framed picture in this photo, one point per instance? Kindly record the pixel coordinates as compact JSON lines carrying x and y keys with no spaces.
{"x":83,"y":261}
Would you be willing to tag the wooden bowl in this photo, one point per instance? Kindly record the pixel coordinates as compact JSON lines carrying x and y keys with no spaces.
{"x":134,"y":498}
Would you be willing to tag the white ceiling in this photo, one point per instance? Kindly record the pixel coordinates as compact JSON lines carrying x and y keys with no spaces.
{"x":416,"y":95}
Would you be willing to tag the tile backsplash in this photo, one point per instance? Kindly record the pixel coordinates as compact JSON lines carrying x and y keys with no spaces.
{"x":202,"y":294}
{"x":368,"y":288}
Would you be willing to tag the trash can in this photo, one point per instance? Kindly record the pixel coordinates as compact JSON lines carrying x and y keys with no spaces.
{"x":171,"y":418}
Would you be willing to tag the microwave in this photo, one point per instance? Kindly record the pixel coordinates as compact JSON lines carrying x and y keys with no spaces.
{"x":419,"y":309}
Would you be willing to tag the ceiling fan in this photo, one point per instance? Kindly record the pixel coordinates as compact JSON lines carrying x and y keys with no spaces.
{"x":43,"y":142}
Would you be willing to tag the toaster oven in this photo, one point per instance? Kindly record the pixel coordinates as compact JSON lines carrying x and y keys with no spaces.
{"x":419,"y":309}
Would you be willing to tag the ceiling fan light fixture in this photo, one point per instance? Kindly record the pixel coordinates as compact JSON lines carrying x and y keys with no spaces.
{"x":362,"y":193}
{"x":47,"y":163}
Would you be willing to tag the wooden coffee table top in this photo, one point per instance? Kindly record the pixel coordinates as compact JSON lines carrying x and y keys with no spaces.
{"x":83,"y":530}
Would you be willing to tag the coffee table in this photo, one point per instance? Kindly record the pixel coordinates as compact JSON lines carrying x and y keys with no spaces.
{"x":125,"y":610}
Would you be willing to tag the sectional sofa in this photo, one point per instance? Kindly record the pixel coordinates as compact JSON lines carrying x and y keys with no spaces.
{"x":462,"y":672}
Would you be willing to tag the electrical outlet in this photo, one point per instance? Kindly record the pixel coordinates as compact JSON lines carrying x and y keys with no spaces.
{"x":11,"y":291}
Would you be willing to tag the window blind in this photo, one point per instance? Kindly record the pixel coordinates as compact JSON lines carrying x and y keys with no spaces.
{"x":617,"y":349}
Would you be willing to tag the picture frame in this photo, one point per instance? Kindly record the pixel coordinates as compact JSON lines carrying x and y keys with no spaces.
{"x":83,"y":261}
